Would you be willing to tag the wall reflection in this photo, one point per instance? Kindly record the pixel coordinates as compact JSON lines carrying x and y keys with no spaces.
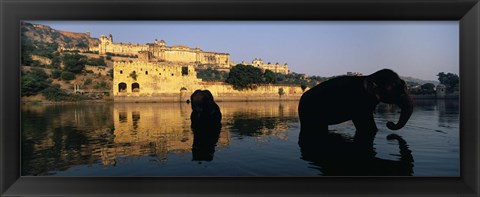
{"x":146,"y":129}
{"x":57,"y":137}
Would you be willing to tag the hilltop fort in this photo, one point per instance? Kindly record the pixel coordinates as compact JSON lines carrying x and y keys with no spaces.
{"x":167,"y":73}
{"x":158,"y":51}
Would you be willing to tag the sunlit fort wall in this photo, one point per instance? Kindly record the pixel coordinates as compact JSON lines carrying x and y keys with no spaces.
{"x":277,"y":68}
{"x":160,"y":52}
{"x":142,"y":81}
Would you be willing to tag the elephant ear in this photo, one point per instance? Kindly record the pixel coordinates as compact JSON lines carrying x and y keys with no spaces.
{"x":372,"y":88}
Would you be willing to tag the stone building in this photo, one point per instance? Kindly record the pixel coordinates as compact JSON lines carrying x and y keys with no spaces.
{"x":143,"y":81}
{"x":149,"y":78}
{"x":277,"y":68}
{"x":441,"y":90}
{"x":160,"y":52}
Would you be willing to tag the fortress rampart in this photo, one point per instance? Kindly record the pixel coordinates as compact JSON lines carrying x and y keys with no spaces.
{"x":160,"y":52}
{"x":167,"y":82}
{"x":179,"y":54}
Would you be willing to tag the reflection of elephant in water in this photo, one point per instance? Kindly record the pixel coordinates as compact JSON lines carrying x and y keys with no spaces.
{"x":205,"y":138}
{"x":336,"y":155}
{"x":354,"y":98}
{"x":206,"y":125}
{"x":204,"y":109}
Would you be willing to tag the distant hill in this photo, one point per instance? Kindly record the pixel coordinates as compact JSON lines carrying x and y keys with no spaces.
{"x":41,"y":34}
{"x":411,"y":80}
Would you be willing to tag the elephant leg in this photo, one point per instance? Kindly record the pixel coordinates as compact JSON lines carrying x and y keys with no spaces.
{"x":366,"y":131}
{"x":312,"y":125}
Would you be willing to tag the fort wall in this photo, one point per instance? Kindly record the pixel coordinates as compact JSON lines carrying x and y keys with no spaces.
{"x":160,"y":52}
{"x":166,"y":82}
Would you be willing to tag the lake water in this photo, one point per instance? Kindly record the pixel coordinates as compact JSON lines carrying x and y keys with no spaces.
{"x":256,"y":139}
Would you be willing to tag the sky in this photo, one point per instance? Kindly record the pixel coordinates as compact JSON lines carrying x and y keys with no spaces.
{"x":419,"y":49}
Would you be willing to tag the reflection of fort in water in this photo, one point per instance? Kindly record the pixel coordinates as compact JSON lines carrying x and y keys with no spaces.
{"x":152,"y":130}
{"x":157,"y":129}
{"x":56,"y":137}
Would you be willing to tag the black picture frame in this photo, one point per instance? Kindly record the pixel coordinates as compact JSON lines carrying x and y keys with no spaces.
{"x":13,"y":11}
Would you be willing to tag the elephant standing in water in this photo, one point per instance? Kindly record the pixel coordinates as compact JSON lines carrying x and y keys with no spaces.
{"x":354,"y":98}
{"x":206,"y":125}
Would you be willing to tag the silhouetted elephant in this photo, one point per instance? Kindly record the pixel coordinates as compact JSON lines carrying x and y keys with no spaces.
{"x":337,"y":155}
{"x":204,"y":109}
{"x":354,"y":98}
{"x":206,"y":125}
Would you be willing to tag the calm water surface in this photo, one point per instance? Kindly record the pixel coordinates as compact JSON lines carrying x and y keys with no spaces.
{"x":256,"y":139}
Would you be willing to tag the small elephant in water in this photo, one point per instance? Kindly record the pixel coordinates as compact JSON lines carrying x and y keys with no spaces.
{"x":206,"y":125}
{"x":204,"y":109}
{"x":354,"y":98}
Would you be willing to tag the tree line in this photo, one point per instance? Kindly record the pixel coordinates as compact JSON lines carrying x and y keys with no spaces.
{"x":450,"y":80}
{"x":249,"y":77}
{"x":243,"y":77}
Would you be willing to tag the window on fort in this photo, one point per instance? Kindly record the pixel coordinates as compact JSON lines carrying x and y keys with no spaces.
{"x":184,"y":71}
{"x":121,"y":71}
{"x":172,"y":74}
{"x":135,"y":87}
{"x":146,"y":72}
{"x":122,"y":87}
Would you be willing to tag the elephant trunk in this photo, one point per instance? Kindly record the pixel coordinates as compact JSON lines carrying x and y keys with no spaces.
{"x":406,"y":105}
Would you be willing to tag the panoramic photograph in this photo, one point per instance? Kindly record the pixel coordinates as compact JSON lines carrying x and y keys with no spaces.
{"x":240,"y":98}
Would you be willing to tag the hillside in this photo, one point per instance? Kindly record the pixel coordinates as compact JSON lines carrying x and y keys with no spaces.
{"x":42,"y":34}
{"x":60,"y":66}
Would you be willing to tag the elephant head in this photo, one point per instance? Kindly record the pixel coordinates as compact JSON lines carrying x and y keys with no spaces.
{"x":204,"y":108}
{"x":387,"y":87}
{"x":201,"y":100}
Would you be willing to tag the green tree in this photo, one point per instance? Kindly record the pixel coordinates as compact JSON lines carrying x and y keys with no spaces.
{"x":428,"y":88}
{"x":450,"y":80}
{"x":87,"y":81}
{"x":56,"y":73}
{"x":81,"y":44}
{"x":54,"y":93}
{"x":211,"y":75}
{"x":26,"y":50}
{"x":74,"y":62}
{"x":67,"y":75}
{"x":56,"y":60}
{"x":101,"y":85}
{"x":270,"y":77}
{"x":245,"y":77}
{"x":96,"y":62}
{"x":34,"y":81}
